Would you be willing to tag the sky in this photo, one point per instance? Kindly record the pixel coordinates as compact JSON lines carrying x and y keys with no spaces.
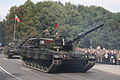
{"x":111,"y":5}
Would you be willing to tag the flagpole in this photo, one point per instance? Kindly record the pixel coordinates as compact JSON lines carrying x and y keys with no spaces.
{"x":14,"y":33}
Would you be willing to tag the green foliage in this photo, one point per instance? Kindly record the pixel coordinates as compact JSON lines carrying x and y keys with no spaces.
{"x":72,"y":20}
{"x":2,"y":32}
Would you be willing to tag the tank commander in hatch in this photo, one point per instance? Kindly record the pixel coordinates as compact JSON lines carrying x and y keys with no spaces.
{"x":46,"y":33}
{"x":57,"y":35}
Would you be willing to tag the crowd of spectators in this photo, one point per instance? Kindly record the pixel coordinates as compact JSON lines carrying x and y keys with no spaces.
{"x":103,"y":55}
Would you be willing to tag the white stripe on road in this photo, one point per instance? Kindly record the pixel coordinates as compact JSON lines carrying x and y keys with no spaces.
{"x":71,"y":77}
{"x":10,"y":74}
{"x":25,"y":69}
{"x":5,"y":58}
{"x":0,"y":70}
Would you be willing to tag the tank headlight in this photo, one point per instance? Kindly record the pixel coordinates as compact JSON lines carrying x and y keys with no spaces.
{"x":56,"y":56}
{"x":64,"y":56}
{"x":61,"y":56}
{"x":118,"y":58}
{"x":93,"y":57}
{"x":86,"y":56}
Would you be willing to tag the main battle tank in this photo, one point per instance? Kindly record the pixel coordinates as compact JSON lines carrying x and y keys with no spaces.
{"x":12,"y":49}
{"x":53,"y":54}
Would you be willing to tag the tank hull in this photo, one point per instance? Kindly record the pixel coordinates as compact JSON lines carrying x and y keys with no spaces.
{"x":51,"y":61}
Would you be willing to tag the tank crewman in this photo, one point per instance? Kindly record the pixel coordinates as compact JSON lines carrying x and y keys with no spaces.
{"x":46,"y":33}
{"x":58,"y":39}
{"x":57,"y":35}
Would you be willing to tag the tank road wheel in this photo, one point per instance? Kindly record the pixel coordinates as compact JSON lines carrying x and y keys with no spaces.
{"x":27,"y":62}
{"x":35,"y":63}
{"x":45,"y":64}
{"x":32,"y":63}
{"x":40,"y":64}
{"x":49,"y":63}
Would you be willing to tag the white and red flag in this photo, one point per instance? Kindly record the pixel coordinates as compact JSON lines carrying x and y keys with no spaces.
{"x":17,"y":19}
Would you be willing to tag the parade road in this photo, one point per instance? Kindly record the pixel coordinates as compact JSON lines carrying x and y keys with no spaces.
{"x":13,"y":69}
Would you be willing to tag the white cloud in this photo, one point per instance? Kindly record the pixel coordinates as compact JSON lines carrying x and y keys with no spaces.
{"x":6,"y":5}
{"x":4,"y":9}
{"x":111,"y":5}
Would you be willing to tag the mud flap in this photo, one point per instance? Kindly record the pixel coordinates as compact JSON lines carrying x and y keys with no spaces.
{"x":89,"y":65}
{"x":54,"y":66}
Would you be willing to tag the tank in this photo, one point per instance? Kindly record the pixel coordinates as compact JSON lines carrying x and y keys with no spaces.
{"x":53,"y":54}
{"x":12,"y":49}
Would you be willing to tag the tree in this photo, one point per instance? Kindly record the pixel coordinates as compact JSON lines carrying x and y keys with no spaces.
{"x":2,"y":32}
{"x":72,"y":20}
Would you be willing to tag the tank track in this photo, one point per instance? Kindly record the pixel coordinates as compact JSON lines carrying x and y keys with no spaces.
{"x":58,"y":65}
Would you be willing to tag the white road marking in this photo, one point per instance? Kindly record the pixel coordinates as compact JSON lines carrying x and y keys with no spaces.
{"x":0,"y":70}
{"x":71,"y":77}
{"x":20,"y":60}
{"x":5,"y":58}
{"x":10,"y":74}
{"x":25,"y":69}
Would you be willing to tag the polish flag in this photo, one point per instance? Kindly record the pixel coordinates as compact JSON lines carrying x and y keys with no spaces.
{"x":17,"y":19}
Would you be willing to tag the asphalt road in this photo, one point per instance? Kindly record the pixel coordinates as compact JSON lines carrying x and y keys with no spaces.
{"x":13,"y":69}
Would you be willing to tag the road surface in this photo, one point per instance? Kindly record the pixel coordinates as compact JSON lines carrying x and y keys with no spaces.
{"x":13,"y":69}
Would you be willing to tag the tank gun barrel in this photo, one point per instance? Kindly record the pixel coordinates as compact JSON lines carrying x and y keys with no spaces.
{"x":84,"y":34}
{"x":24,"y":41}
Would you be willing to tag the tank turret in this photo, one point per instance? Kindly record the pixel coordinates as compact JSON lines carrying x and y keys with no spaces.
{"x":68,"y":44}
